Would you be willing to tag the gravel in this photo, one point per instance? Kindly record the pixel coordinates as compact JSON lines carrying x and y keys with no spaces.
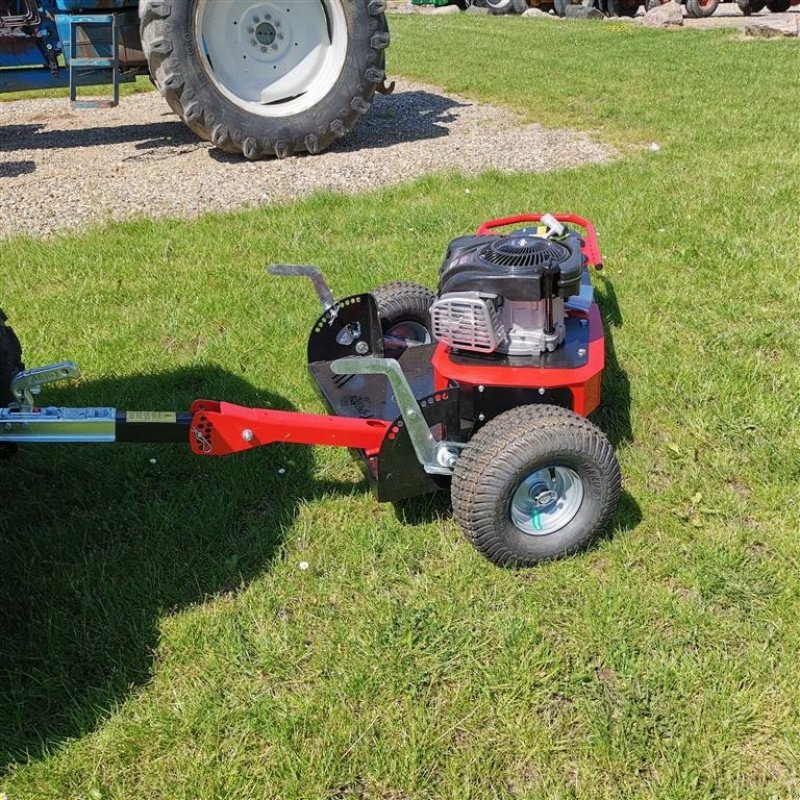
{"x":62,"y":169}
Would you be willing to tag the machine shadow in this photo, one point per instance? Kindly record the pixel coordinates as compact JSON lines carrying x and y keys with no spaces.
{"x":99,"y":542}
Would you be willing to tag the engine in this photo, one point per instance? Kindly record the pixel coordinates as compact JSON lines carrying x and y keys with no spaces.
{"x":506,"y":294}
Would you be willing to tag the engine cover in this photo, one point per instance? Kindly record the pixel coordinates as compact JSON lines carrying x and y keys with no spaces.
{"x":507,"y":293}
{"x":522,"y":266}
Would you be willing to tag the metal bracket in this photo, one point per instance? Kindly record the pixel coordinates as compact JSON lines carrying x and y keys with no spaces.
{"x":26,"y":385}
{"x":437,"y":458}
{"x":312,"y":273}
{"x":58,"y":425}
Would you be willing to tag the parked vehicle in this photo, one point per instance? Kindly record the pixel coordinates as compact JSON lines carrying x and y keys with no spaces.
{"x":255,"y":77}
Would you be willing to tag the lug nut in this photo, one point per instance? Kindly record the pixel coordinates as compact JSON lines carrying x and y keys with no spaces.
{"x":247,"y":435}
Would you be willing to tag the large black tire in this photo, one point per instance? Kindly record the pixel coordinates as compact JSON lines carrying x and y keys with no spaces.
{"x":10,"y":360}
{"x":516,"y":447}
{"x":622,"y":8}
{"x":778,"y":6}
{"x":748,"y":7}
{"x":697,"y":9}
{"x":404,"y":309}
{"x":181,"y":73}
{"x":499,"y":7}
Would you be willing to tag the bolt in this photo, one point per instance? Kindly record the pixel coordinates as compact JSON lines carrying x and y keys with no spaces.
{"x":251,"y":29}
{"x":541,"y":390}
{"x":267,"y":17}
{"x":412,"y":415}
{"x":481,"y":417}
{"x":584,"y":323}
{"x":362,"y":348}
{"x":247,"y":435}
{"x":256,"y":19}
{"x":582,"y":351}
{"x":263,"y":49}
{"x":280,"y":36}
{"x":481,"y":388}
{"x":253,"y":42}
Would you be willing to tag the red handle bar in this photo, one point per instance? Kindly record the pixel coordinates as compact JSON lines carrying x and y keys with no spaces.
{"x":591,"y":249}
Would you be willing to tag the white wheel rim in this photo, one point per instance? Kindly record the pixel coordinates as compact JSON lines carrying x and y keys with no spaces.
{"x":547,"y":500}
{"x":273,"y":59}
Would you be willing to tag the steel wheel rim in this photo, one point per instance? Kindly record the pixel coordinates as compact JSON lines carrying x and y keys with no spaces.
{"x":546,"y":500}
{"x":269,"y":58}
{"x":413,"y":333}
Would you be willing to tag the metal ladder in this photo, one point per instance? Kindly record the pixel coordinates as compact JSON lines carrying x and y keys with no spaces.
{"x":81,"y":67}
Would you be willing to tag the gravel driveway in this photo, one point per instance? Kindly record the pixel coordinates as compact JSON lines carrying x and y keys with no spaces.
{"x":61,"y":169}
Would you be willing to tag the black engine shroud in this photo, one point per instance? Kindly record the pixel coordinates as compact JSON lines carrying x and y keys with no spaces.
{"x":520,"y":266}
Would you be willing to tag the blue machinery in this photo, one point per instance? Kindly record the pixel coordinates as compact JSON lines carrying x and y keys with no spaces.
{"x":46,"y":44}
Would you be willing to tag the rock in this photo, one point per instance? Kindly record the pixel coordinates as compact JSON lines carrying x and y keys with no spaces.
{"x":667,"y":16}
{"x":445,"y":10}
{"x":535,"y":12}
{"x":583,"y":12}
{"x":772,"y":30}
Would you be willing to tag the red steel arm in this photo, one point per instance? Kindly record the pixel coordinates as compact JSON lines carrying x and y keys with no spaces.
{"x":219,"y":429}
{"x":591,"y":248}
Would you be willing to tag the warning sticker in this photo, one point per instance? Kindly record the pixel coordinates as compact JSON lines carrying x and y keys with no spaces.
{"x":151,"y":416}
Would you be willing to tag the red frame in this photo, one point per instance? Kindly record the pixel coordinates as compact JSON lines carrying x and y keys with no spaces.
{"x":583,"y":382}
{"x":219,"y":429}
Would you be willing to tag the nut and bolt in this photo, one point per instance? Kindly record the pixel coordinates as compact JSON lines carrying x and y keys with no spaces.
{"x":541,"y":390}
{"x":481,"y":388}
{"x":247,"y":435}
{"x":481,"y":417}
{"x":362,"y":348}
{"x":582,"y":352}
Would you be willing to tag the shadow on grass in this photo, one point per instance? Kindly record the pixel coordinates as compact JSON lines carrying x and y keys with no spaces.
{"x":99,"y":542}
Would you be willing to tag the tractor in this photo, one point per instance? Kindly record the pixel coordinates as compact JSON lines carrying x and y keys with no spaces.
{"x":254,"y":77}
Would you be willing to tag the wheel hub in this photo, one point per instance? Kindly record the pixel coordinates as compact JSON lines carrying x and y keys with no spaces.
{"x":273,"y":59}
{"x":546,"y":500}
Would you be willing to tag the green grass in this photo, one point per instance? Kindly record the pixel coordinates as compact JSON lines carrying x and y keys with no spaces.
{"x":158,"y":637}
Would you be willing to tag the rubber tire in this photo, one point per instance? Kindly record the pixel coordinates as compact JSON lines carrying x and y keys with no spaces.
{"x":403,"y":301}
{"x":560,"y":6}
{"x":509,"y":448}
{"x":168,"y":42}
{"x":622,"y":8}
{"x":10,"y":360}
{"x":697,"y":11}
{"x":778,"y":6}
{"x":748,"y":7}
{"x":500,"y":7}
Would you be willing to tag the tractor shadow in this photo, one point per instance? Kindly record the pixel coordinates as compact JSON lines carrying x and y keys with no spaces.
{"x":100,"y":542}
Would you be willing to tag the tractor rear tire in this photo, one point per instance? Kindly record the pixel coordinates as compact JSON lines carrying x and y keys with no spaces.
{"x":404,"y":309}
{"x":698,"y":9}
{"x":778,"y":6}
{"x":255,"y":79}
{"x":535,"y":483}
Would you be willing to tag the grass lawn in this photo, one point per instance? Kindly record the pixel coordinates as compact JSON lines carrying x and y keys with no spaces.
{"x":158,"y":638}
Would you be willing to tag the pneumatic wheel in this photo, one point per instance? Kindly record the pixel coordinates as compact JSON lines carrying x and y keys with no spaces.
{"x":535,"y":483}
{"x":10,"y":365}
{"x":748,"y":7}
{"x":698,"y":9}
{"x":264,"y":78}
{"x":498,"y":7}
{"x":622,"y":8}
{"x":404,"y":309}
{"x":778,"y":6}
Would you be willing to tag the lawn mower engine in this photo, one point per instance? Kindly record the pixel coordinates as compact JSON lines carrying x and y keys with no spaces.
{"x":506,"y":294}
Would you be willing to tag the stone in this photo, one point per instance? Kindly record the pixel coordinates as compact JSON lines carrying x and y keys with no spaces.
{"x":772,"y":30}
{"x":669,"y":15}
{"x":445,"y":10}
{"x":535,"y":12}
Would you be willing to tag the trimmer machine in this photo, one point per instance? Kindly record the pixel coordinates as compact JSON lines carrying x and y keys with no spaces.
{"x":482,"y":387}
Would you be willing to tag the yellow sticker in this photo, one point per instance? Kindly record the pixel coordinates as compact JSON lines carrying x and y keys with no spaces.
{"x":151,"y":416}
